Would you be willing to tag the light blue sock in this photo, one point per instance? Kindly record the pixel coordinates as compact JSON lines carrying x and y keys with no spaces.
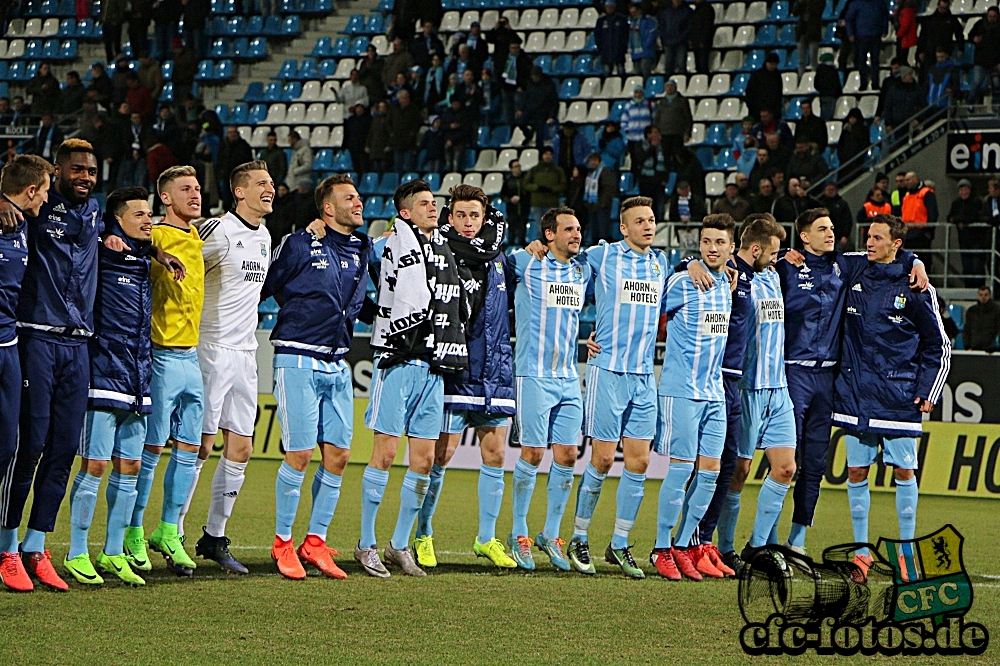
{"x":906,"y":507}
{"x":373,"y":484}
{"x":82,"y":501}
{"x":769,"y":501}
{"x":33,"y":542}
{"x":860,"y":500}
{"x":287,"y":491}
{"x":524,"y":487}
{"x":671,"y":500}
{"x":411,"y":497}
{"x":490,"y":498}
{"x":772,"y":537}
{"x":146,"y":473}
{"x":558,"y":488}
{"x":728,"y":517}
{"x":797,"y":535}
{"x":120,"y":494}
{"x":325,"y":494}
{"x":701,"y":497}
{"x":181,"y":472}
{"x":630,"y":492}
{"x":424,"y":526}
{"x":587,"y":494}
{"x":8,"y":540}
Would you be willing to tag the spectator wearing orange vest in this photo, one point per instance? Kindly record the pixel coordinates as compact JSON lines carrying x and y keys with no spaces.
{"x":875,"y":204}
{"x":919,"y":208}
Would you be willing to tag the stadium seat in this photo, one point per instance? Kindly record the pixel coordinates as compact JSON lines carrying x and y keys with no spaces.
{"x":292,"y":91}
{"x":549,"y":19}
{"x":330,"y":91}
{"x":259,"y":137}
{"x":296,"y":114}
{"x":564,"y":64}
{"x":322,"y":48}
{"x":697,"y":134}
{"x":449,"y":181}
{"x":373,"y":207}
{"x":598,"y":113}
{"x":868,"y":104}
{"x":767,"y":36}
{"x":341,"y":47}
{"x":613,"y":88}
{"x":715,"y":184}
{"x":787,"y":35}
{"x":569,"y":89}
{"x":528,"y":158}
{"x":654,"y":86}
{"x":449,"y":22}
{"x":716,"y":135}
{"x":473,"y":179}
{"x":275,"y":114}
{"x":368,"y":184}
{"x":853,"y":83}
{"x":734,"y":13}
{"x":578,"y":40}
{"x":732,"y":61}
{"x":844,"y":105}
{"x":289,"y":69}
{"x":344,"y":68}
{"x":589,"y":89}
{"x":719,"y":86}
{"x":343,"y":162}
{"x":493,"y":184}
{"x":833,"y":129}
{"x":724,"y":37}
{"x":807,"y":84}
{"x":779,"y":11}
{"x":577,"y":112}
{"x":556,"y":42}
{"x":311,"y":91}
{"x":569,"y":19}
{"x":433,"y":180}
{"x":588,"y":18}
{"x":505,"y":156}
{"x":528,"y":20}
{"x":388,"y":184}
{"x":238,"y":114}
{"x":724,"y":160}
{"x":500,"y":136}
{"x":487,"y":159}
{"x":50,"y":28}
{"x":545,"y":62}
{"x":705,"y":156}
{"x":697,"y":86}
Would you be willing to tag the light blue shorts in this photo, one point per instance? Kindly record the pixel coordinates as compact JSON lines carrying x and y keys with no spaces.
{"x":314,"y":405}
{"x":689,"y":428}
{"x":549,"y":411}
{"x":458,"y":420}
{"x":768,"y":420}
{"x":406,"y":399}
{"x":178,"y":398}
{"x":862,"y":449}
{"x":113,"y":433}
{"x":619,"y":404}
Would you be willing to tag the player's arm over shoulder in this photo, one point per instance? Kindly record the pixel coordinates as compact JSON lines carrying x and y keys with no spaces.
{"x":216,"y":242}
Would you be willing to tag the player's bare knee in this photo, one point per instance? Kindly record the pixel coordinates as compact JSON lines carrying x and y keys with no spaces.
{"x":126,"y":467}
{"x":493,"y":457}
{"x":857,"y":474}
{"x":93,"y":467}
{"x":532,"y":454}
{"x":298,"y":460}
{"x":903,"y":474}
{"x":564,"y":455}
{"x":740,"y":475}
{"x":335,"y":459}
{"x":154,"y":449}
{"x":783,"y":473}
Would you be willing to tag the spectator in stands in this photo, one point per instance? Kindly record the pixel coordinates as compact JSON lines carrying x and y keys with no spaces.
{"x":233,"y":151}
{"x":732,"y":203}
{"x":612,"y":37}
{"x":571,"y":148}
{"x":490,"y":111}
{"x":415,"y":84}
{"x":435,"y":84}
{"x":514,"y":72}
{"x":300,"y":166}
{"x":796,"y":201}
{"x":828,"y":86}
{"x":746,"y":127}
{"x":185,"y":68}
{"x":742,"y":184}
{"x":378,"y":145}
{"x":899,"y":191}
{"x":982,"y":322}
{"x":471,"y":96}
{"x":686,"y":205}
{"x":702,"y":34}
{"x":902,"y":102}
{"x":44,"y":90}
{"x":875,"y":204}
{"x":541,"y":107}
{"x":432,"y":146}
{"x":459,"y":62}
{"x":426,"y":45}
{"x":747,"y":159}
{"x":100,"y":83}
{"x":166,"y":15}
{"x":195,"y":13}
{"x":400,"y":84}
{"x":942,"y":80}
{"x":119,"y":80}
{"x":972,"y":235}
{"x":113,"y":16}
{"x":780,"y":153}
{"x":274,"y":157}
{"x":867,"y":22}
{"x":811,"y":127}
{"x":611,"y":145}
{"x":673,"y":118}
{"x":405,"y":121}
{"x":652,"y":169}
{"x":281,"y":221}
{"x":904,"y":18}
{"x":642,"y":35}
{"x":846,"y":51}
{"x":763,"y":200}
{"x":991,"y":206}
{"x":168,"y":132}
{"x":370,"y":74}
{"x":919,"y":208}
{"x":985,"y":35}
{"x":808,"y":31}
{"x":854,"y":140}
{"x":139,"y":98}
{"x":46,"y":139}
{"x":138,"y":24}
{"x":458,"y":133}
{"x":501,"y":37}
{"x":882,"y":182}
{"x":150,"y":74}
{"x":599,"y":192}
{"x":840,"y":213}
{"x":397,"y":62}
{"x":778,"y":183}
{"x":518,"y":203}
{"x":353,"y":92}
{"x":206,"y":154}
{"x":72,"y":96}
{"x":806,"y":163}
{"x":137,"y":130}
{"x":675,"y":31}
{"x":449,"y":92}
{"x":133,"y":171}
{"x":764,"y":89}
{"x":763,"y":169}
{"x":940,"y":30}
{"x":356,"y":128}
{"x":5,"y":113}
{"x":950,"y":327}
{"x":479,"y":51}
{"x":636,"y":117}
{"x":545,"y":183}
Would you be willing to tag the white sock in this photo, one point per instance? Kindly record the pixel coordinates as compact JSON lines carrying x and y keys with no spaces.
{"x":226,"y":486}
{"x":198,"y":464}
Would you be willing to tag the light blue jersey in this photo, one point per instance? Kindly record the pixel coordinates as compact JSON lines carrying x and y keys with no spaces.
{"x":697,"y":331}
{"x":764,"y":361}
{"x":628,"y":286}
{"x":547,"y":304}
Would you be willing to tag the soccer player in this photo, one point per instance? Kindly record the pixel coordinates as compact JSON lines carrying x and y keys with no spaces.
{"x":237,"y":252}
{"x":119,"y":399}
{"x":419,"y":334}
{"x":481,"y":397}
{"x":24,"y":183}
{"x":176,"y":387}
{"x":692,"y":412}
{"x":547,"y":301}
{"x":320,"y":284}
{"x":894,"y":363}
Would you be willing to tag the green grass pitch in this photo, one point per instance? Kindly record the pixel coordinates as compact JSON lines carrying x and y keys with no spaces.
{"x":465,"y":611}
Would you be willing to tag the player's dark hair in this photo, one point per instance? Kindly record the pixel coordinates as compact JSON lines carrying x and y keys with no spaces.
{"x":759,"y":228}
{"x":807,"y":217}
{"x":325,"y":188}
{"x":635,"y":202}
{"x":23,"y":171}
{"x":468,"y":193}
{"x":118,"y":200}
{"x":240,"y":176}
{"x":70,"y":146}
{"x":897,"y":228}
{"x":551,"y":217}
{"x":403,"y":197}
{"x":720,"y":221}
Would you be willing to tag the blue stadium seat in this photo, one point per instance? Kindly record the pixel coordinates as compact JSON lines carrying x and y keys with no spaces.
{"x":3,"y":75}
{"x":705,"y":156}
{"x":204,"y":70}
{"x":779,"y":12}
{"x":545,"y":62}
{"x":216,"y":27}
{"x":307,"y":70}
{"x":258,"y":48}
{"x":236,"y":26}
{"x":254,"y":93}
{"x":386,"y":6}
{"x":753,"y":61}
{"x":223,"y":70}
{"x":368,"y":184}
{"x":268,"y":322}
{"x":374,"y":25}
{"x":68,"y":50}
{"x":327,"y":68}
{"x":570,"y":88}
{"x":434,"y":180}
{"x":220,"y":48}
{"x":49,"y":8}
{"x":724,"y":160}
{"x":739,"y":86}
{"x":388,"y":184}
{"x":168,"y":92}
{"x":957,"y":314}
{"x":483,"y":137}
{"x":373,"y":207}
{"x":788,"y":63}
{"x":591,"y":46}
{"x":582,"y":65}
{"x":67,"y":28}
{"x":589,"y":133}
{"x":239,"y":48}
{"x":343,"y":162}
{"x":289,"y":69}
{"x":787,"y":36}
{"x":239,"y":113}
{"x":409,"y":176}
{"x":355,"y":25}
{"x":255,"y":26}
{"x":616,"y":110}
{"x":671,"y":181}
{"x":832,"y":158}
{"x":292,"y":91}
{"x":341,"y":47}
{"x":715,"y":135}
{"x":33,"y":49}
{"x":222,"y":110}
{"x":675,"y":256}
{"x":627,"y":185}
{"x":272,"y":26}
{"x":258,"y":112}
{"x":616,"y":208}
{"x":85,"y":29}
{"x":229,"y":6}
{"x":167,"y":70}
{"x":324,"y":160}
{"x":829,"y":11}
{"x":794,"y":111}
{"x":50,"y":49}
{"x":322,"y":7}
{"x":273,"y":92}
{"x":322,"y":47}
{"x":269,"y":306}
{"x":501,"y":135}
{"x":830,"y":35}
{"x":766,"y":36}
{"x":292,"y":26}
{"x":359,"y":45}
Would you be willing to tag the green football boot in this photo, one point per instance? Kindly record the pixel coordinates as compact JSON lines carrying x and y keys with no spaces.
{"x":83,"y":570}
{"x":135,"y":549}
{"x":118,"y":565}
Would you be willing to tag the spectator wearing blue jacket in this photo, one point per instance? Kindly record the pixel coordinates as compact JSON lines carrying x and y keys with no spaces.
{"x":867,"y":21}
{"x":612,"y":37}
{"x":570,"y":148}
{"x":675,"y":30}
{"x":642,"y":35}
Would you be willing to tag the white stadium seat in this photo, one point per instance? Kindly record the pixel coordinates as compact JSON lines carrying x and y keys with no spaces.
{"x":590,"y":88}
{"x":723,"y":37}
{"x":708,"y":109}
{"x":468,"y":18}
{"x":493,"y":183}
{"x":474,"y":179}
{"x":577,"y":112}
{"x":569,"y":19}
{"x":275,"y":114}
{"x":296,"y":113}
{"x":529,"y":19}
{"x":450,"y":22}
{"x":697,"y":86}
{"x":549,"y":19}
{"x":588,"y":18}
{"x":529,"y":158}
{"x":720,"y":85}
{"x":715,"y":184}
{"x":315,"y":112}
{"x":449,"y":181}
{"x":598,"y":112}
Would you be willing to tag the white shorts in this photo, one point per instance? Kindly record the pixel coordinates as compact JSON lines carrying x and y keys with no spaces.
{"x":230,"y":377}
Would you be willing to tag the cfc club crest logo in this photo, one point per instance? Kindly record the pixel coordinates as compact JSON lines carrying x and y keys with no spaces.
{"x":899,"y":302}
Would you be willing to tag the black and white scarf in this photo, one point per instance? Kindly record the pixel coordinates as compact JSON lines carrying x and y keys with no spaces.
{"x":422,"y":309}
{"x":474,"y":254}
